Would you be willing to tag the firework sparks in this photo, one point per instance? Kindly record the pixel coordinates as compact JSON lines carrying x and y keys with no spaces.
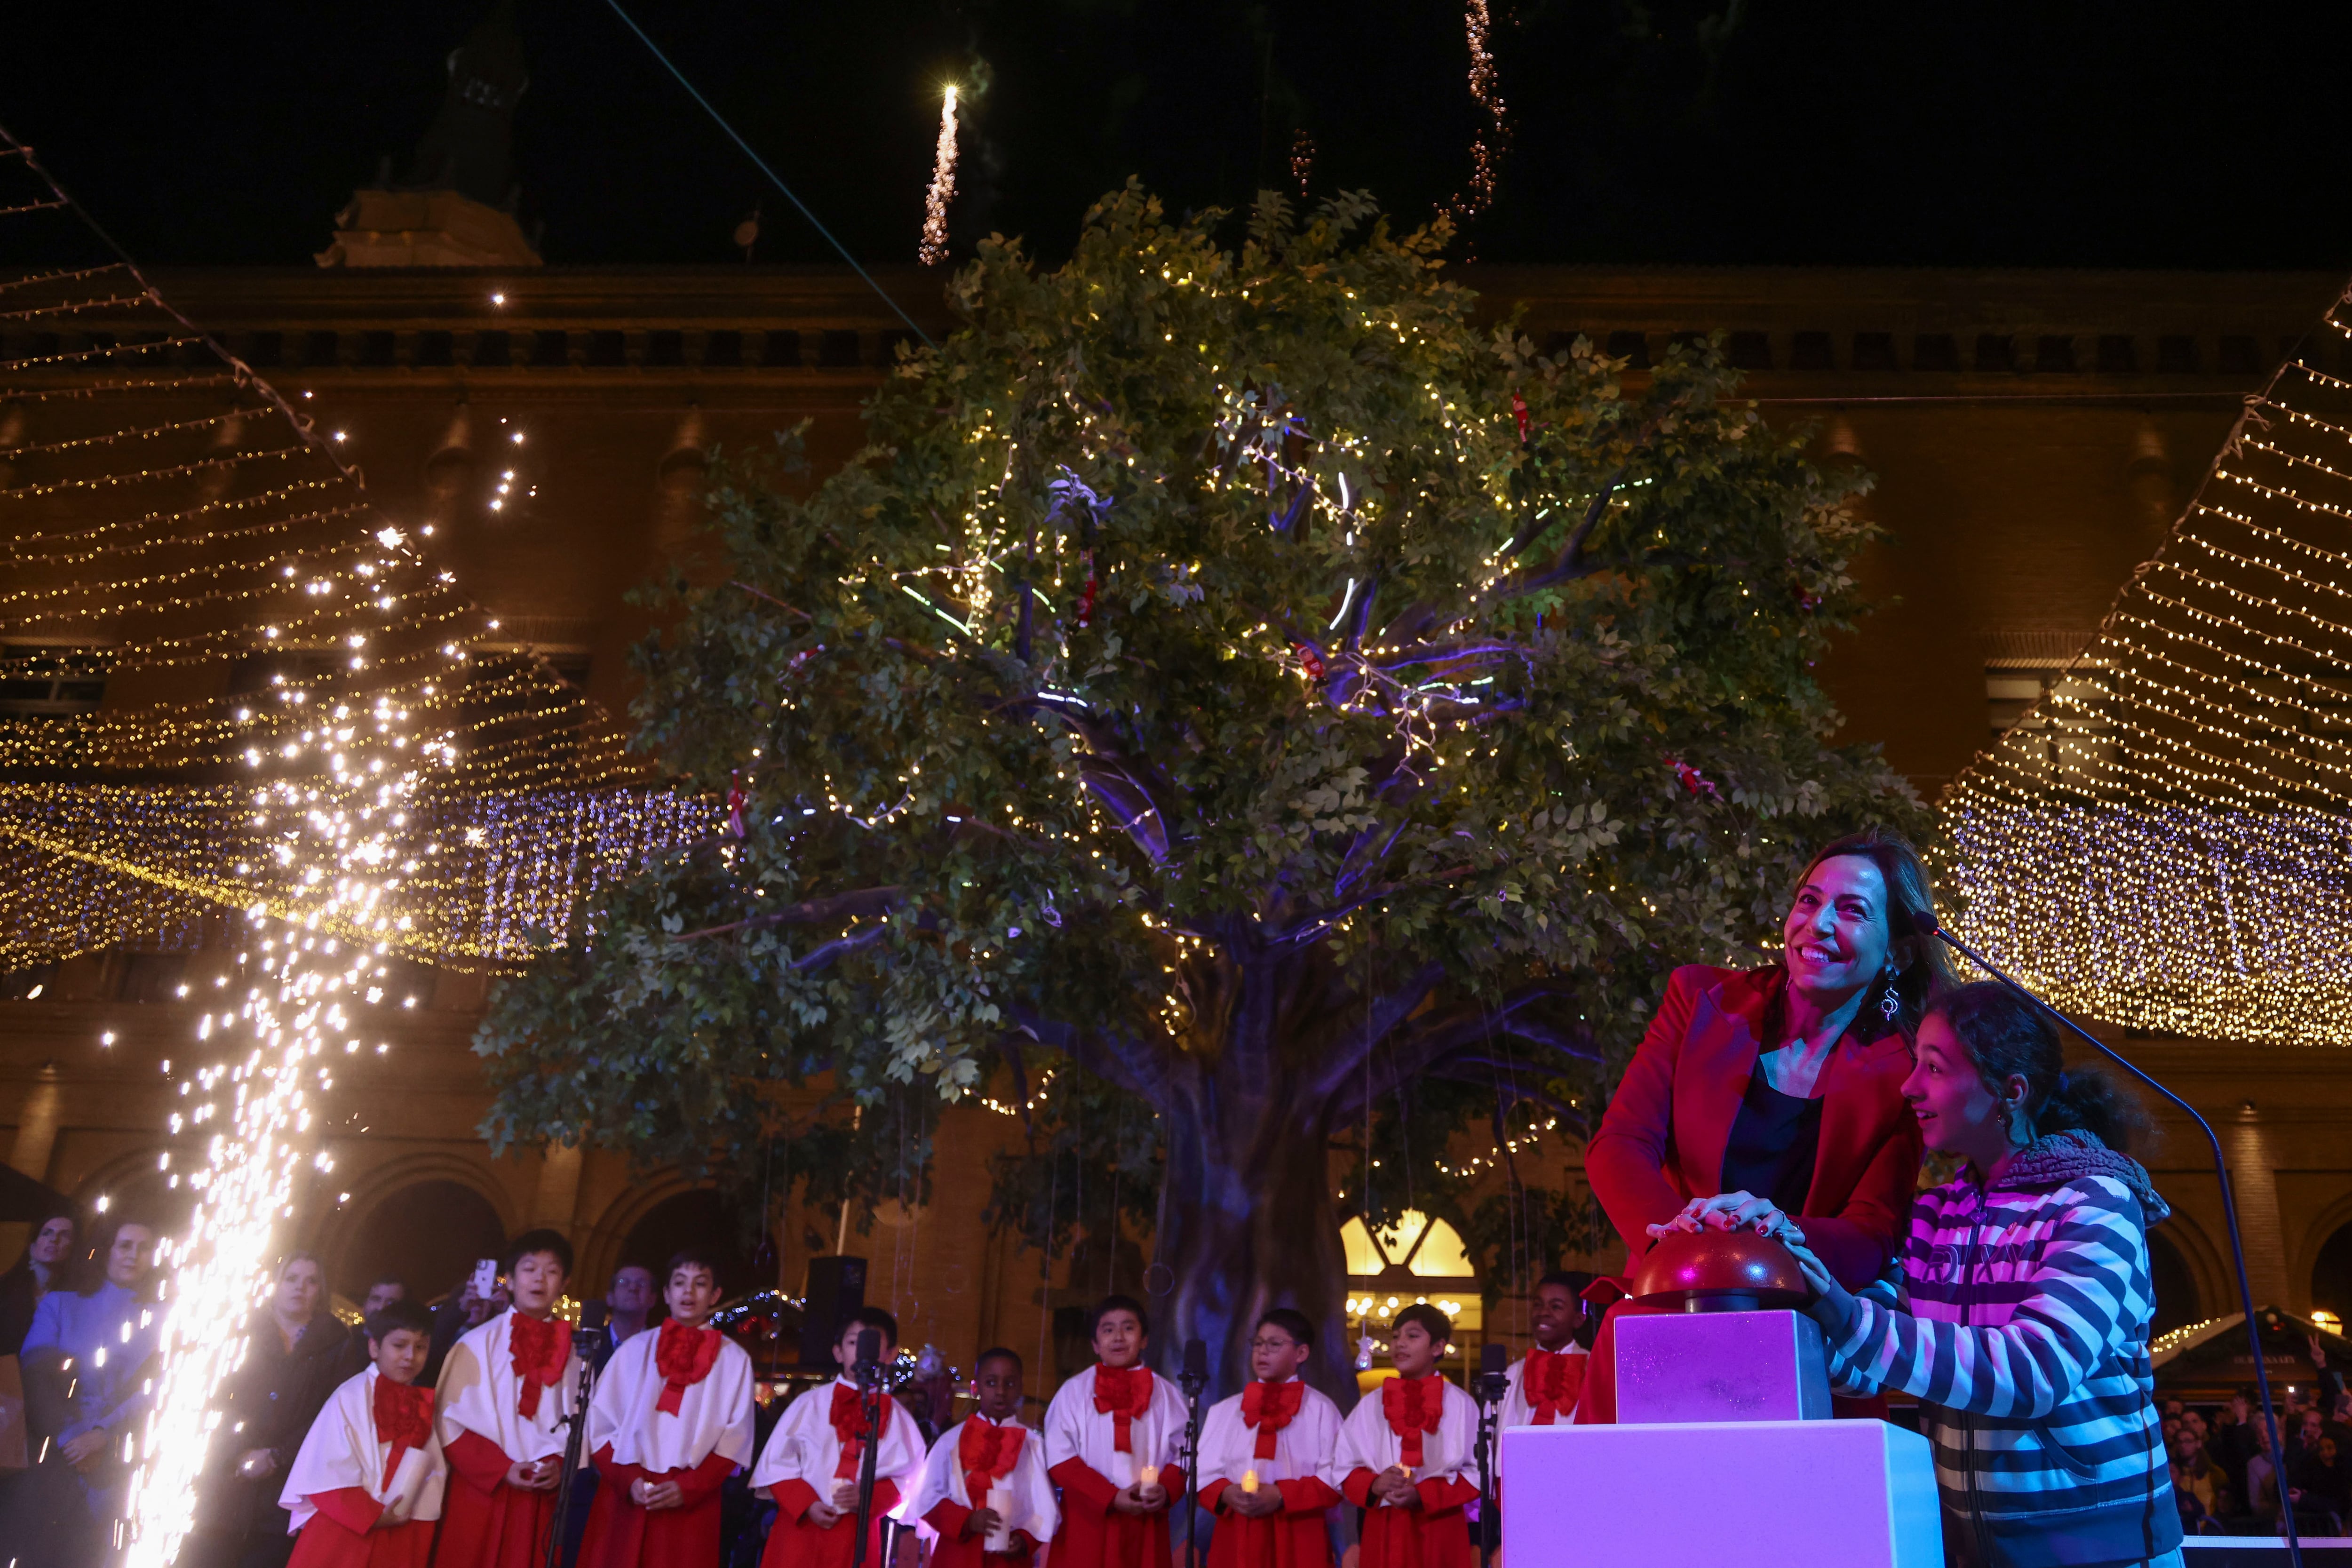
{"x":1485,"y":90}
{"x":934,"y":249}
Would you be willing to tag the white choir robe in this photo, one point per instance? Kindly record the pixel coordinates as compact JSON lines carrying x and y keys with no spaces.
{"x":632,"y":1438}
{"x":1083,"y":1457}
{"x":341,"y":1450}
{"x":1516,"y":1411}
{"x":798,"y":1467}
{"x":482,"y":1431}
{"x":1437,"y":1533}
{"x":1024,"y":1499}
{"x":1298,"y":1536}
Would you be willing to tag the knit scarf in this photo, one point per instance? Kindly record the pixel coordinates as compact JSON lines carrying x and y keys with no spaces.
{"x":684,"y":1357}
{"x":403,"y":1418}
{"x":1122,"y":1393}
{"x":1269,"y":1408}
{"x":986,"y":1452}
{"x":1413,"y":1406}
{"x":540,"y":1348}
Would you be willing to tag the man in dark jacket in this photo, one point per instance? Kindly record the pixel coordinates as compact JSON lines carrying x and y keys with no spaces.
{"x":293,"y":1361}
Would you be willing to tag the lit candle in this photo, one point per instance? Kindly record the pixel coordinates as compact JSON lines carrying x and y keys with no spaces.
{"x":1249,"y":1481}
{"x":1148,"y":1476}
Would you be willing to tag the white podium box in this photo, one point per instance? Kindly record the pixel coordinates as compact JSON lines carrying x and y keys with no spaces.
{"x":1708,"y":1494}
{"x":1720,"y":1366}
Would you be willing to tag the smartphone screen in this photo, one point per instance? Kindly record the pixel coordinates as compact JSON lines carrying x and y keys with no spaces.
{"x":485,"y":1278}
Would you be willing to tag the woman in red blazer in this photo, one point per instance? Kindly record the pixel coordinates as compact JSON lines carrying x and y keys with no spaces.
{"x":1765,"y":1095}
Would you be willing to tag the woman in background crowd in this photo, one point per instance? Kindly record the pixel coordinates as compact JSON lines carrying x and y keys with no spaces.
{"x":35,"y":1276}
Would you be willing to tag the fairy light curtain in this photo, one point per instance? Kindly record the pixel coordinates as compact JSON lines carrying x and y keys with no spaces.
{"x":2165,"y":841}
{"x":211,"y":645}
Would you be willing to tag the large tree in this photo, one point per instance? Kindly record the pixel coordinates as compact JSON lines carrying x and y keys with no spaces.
{"x":1235,"y":672}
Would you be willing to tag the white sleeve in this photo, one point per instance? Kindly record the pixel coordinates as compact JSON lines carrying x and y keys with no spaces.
{"x":1222,"y":1437}
{"x":1064,"y":1434}
{"x":1041,"y":1517}
{"x":787,"y":1455}
{"x":932,"y":1486}
{"x":610,"y":1403}
{"x":1356,"y":1448}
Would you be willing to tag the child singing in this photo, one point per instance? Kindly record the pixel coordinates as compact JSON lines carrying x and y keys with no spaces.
{"x":1263,"y":1454}
{"x":985,"y":1487}
{"x":1408,"y":1454}
{"x":364,"y":1490}
{"x":1111,"y":1439}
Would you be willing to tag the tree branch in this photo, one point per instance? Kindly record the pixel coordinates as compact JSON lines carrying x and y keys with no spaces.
{"x":1426,"y":1047}
{"x":863,"y":904}
{"x":1313,"y":925}
{"x":1379,"y":1020}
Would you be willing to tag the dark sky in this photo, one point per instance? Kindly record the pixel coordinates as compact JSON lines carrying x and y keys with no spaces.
{"x":2074,"y":133}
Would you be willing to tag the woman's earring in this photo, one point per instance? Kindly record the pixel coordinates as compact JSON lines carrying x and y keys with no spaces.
{"x":1891,"y":1003}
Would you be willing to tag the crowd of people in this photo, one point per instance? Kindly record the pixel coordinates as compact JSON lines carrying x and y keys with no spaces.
{"x":436,"y":1439}
{"x":2227,"y":1477}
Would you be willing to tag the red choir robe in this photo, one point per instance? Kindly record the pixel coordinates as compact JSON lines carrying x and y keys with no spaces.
{"x":1104,"y":1425}
{"x":364,"y":1489}
{"x":1286,"y":1433}
{"x":978,"y":1463}
{"x":672,"y":1405}
{"x":1430,"y":1427}
{"x":505,"y":1391}
{"x":818,"y":1442}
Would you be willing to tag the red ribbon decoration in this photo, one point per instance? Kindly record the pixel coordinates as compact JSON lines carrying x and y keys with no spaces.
{"x":849,"y":1428}
{"x":986,"y":1452}
{"x":1087,"y":599}
{"x":1122,"y":1393}
{"x":684,"y":1357}
{"x":539,"y":1349}
{"x":734,"y":806}
{"x":1551,"y":1383}
{"x":403,"y":1418}
{"x":1413,"y":1405}
{"x":1519,"y":412}
{"x":1269,"y":1408}
{"x":1308,"y":661}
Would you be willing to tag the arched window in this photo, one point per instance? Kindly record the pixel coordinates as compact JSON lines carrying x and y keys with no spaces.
{"x":2177,"y":1303}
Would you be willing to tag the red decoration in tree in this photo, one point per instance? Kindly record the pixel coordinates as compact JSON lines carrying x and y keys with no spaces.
{"x":1310,"y":660}
{"x":1692,"y":780}
{"x":1087,"y":599}
{"x":734,"y":805}
{"x":1519,"y":412}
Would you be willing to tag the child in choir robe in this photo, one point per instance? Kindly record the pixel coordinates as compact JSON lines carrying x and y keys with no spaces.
{"x":1263,"y":1453}
{"x":812,"y":1457}
{"x":671,"y":1419}
{"x":365,"y":1486}
{"x":505,"y":1388}
{"x":1408,"y":1456}
{"x":984,"y":1486}
{"x":1546,"y":1382}
{"x":1112,"y":1434}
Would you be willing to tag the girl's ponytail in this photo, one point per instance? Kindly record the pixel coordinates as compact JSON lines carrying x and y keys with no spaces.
{"x":2094,"y":1102}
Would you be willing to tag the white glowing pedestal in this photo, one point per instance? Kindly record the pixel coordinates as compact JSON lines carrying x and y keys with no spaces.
{"x":1720,"y":1494}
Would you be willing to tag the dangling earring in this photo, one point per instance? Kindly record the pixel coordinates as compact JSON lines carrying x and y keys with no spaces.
{"x":1890,"y":1002}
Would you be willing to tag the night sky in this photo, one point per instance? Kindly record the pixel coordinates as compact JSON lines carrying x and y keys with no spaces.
{"x":1876,"y":132}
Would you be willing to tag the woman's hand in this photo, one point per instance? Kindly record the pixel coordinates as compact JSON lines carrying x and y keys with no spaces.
{"x":1832,"y":1303}
{"x":1730,"y":1211}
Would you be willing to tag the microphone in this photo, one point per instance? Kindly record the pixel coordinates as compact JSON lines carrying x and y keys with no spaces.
{"x":1493,"y":1379}
{"x":1926,"y":925}
{"x":595,"y":1320}
{"x":869,"y":1355}
{"x":1195,"y":1376}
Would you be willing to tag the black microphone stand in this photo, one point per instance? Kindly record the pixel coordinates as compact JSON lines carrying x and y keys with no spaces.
{"x":869,"y":1404}
{"x":1491,"y":1387}
{"x":586,"y":1340}
{"x":2229,"y":1212}
{"x":1192,"y":1381}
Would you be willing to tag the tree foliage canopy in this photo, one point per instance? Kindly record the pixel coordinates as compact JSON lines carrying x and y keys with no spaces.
{"x":1233,"y":670}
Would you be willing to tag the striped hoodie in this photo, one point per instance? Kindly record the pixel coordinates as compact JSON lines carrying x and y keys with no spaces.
{"x":2024,"y":1338}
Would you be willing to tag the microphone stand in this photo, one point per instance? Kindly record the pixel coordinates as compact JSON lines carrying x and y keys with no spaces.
{"x":585,"y":1342}
{"x":2229,"y":1212}
{"x":869,"y":1404}
{"x":1192,"y":1380}
{"x":1490,"y":1387}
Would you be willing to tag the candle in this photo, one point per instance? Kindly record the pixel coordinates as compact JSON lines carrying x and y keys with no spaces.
{"x":1148,"y":1476}
{"x":1249,"y":1480}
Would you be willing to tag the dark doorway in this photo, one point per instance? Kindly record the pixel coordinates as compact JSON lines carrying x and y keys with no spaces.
{"x":702,"y":1220}
{"x":2175,"y":1289}
{"x":2331,"y":1274}
{"x":428,"y":1235}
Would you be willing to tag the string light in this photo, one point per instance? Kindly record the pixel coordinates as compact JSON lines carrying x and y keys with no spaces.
{"x":2165,"y":840}
{"x":324,"y":763}
{"x":934,"y":249}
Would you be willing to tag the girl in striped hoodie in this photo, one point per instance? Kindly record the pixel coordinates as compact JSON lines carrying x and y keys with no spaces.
{"x":2019,"y":1320}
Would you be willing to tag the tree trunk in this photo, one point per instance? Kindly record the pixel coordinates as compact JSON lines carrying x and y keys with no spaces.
{"x":1246,"y":1221}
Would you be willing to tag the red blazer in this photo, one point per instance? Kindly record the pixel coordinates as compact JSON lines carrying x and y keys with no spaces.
{"x":1662,"y":1140}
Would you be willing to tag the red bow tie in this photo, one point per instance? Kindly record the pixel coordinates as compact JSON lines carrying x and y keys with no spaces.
{"x":1413,"y":1406}
{"x":403,"y":1418}
{"x":541,"y":1349}
{"x":1269,"y":1408}
{"x":987,"y":1453}
{"x":848,"y":1420}
{"x":1551,"y":1383}
{"x":1122,"y":1393}
{"x":684,"y":1357}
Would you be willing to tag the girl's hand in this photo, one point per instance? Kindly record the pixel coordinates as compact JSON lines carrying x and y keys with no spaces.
{"x":1832,"y":1303}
